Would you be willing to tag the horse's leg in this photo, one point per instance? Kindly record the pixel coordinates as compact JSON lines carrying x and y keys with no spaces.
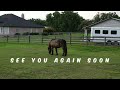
{"x":52,"y":51}
{"x":49,"y":49}
{"x":63,"y":52}
{"x":56,"y":51}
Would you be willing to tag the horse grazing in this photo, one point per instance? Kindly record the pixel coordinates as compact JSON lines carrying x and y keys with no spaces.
{"x":57,"y":43}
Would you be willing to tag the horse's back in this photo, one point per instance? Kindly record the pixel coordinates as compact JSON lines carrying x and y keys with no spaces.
{"x":57,"y":42}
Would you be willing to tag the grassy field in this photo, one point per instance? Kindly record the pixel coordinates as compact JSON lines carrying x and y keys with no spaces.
{"x":51,"y":70}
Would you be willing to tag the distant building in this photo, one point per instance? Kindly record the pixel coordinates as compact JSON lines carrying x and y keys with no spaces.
{"x":11,"y":24}
{"x":105,"y":28}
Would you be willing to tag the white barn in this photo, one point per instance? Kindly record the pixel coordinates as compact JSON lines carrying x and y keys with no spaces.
{"x":109,"y":28}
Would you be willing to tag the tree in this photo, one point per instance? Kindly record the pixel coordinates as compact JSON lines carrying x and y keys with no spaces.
{"x":103,"y":16}
{"x":97,"y":17}
{"x":71,"y":21}
{"x":49,"y":20}
{"x":38,"y":21}
{"x":54,"y":20}
{"x":67,"y":21}
{"x":84,"y":23}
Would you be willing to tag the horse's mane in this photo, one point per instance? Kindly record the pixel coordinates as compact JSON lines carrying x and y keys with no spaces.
{"x":53,"y":39}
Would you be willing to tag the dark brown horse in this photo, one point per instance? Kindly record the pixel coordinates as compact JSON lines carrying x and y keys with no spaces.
{"x":57,"y":43}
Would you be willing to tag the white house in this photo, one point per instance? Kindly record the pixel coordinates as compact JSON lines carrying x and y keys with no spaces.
{"x":11,"y":24}
{"x":109,"y":28}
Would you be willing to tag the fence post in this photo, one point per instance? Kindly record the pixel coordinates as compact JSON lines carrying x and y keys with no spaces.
{"x":87,"y":40}
{"x":18,"y":38}
{"x":7,"y":38}
{"x":42,"y":38}
{"x":29,"y":38}
{"x":70,"y":38}
{"x":105,"y":42}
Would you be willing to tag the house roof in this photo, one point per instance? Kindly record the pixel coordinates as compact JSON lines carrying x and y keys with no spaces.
{"x":11,"y":20}
{"x":93,"y":24}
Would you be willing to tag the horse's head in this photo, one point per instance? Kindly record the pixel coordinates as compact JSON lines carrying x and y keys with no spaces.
{"x":49,"y":50}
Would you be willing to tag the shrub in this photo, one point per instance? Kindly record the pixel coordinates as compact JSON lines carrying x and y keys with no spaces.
{"x":17,"y":33}
{"x":48,"y":30}
{"x":26,"y":33}
{"x":45,"y":33}
{"x":34,"y":33}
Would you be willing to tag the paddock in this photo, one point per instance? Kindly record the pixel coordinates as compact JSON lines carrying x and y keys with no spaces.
{"x":51,"y":70}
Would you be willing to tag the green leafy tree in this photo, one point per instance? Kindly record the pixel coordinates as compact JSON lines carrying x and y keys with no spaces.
{"x":84,"y":23}
{"x":49,"y":19}
{"x":103,"y":16}
{"x":67,"y":21}
{"x":71,"y":21}
{"x":38,"y":21}
{"x":97,"y":18}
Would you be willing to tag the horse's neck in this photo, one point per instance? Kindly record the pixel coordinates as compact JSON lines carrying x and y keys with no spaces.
{"x":49,"y":45}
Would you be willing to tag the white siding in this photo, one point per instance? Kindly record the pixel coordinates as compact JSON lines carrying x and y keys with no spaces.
{"x":105,"y":28}
{"x":109,"y":23}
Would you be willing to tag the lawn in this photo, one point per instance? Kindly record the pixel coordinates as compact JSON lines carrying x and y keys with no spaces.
{"x":51,"y":70}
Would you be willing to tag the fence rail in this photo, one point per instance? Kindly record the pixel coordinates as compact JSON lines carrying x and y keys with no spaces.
{"x":70,"y":38}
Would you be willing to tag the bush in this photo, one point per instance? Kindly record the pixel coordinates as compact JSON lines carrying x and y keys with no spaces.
{"x":17,"y":33}
{"x":34,"y":33}
{"x":51,"y":33}
{"x":48,"y":30}
{"x":26,"y":33}
{"x":45,"y":33}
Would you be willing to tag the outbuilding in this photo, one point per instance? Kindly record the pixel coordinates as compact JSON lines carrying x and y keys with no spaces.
{"x":108,"y":29}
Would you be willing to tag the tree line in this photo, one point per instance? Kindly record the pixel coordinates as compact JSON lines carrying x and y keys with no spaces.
{"x":70,"y":21}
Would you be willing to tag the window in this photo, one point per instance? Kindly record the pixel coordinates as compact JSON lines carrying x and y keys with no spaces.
{"x":113,"y":32}
{"x":105,"y":31}
{"x":97,"y":31}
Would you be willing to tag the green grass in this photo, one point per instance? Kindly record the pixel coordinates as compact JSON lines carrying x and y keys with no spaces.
{"x":64,"y":70}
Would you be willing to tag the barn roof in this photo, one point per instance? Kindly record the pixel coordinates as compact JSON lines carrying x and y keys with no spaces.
{"x":11,"y":20}
{"x":101,"y":21}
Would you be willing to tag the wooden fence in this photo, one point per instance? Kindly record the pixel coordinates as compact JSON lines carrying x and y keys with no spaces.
{"x":70,"y":38}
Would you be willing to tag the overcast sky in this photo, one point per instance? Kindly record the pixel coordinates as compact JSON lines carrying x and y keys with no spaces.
{"x":42,"y":14}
